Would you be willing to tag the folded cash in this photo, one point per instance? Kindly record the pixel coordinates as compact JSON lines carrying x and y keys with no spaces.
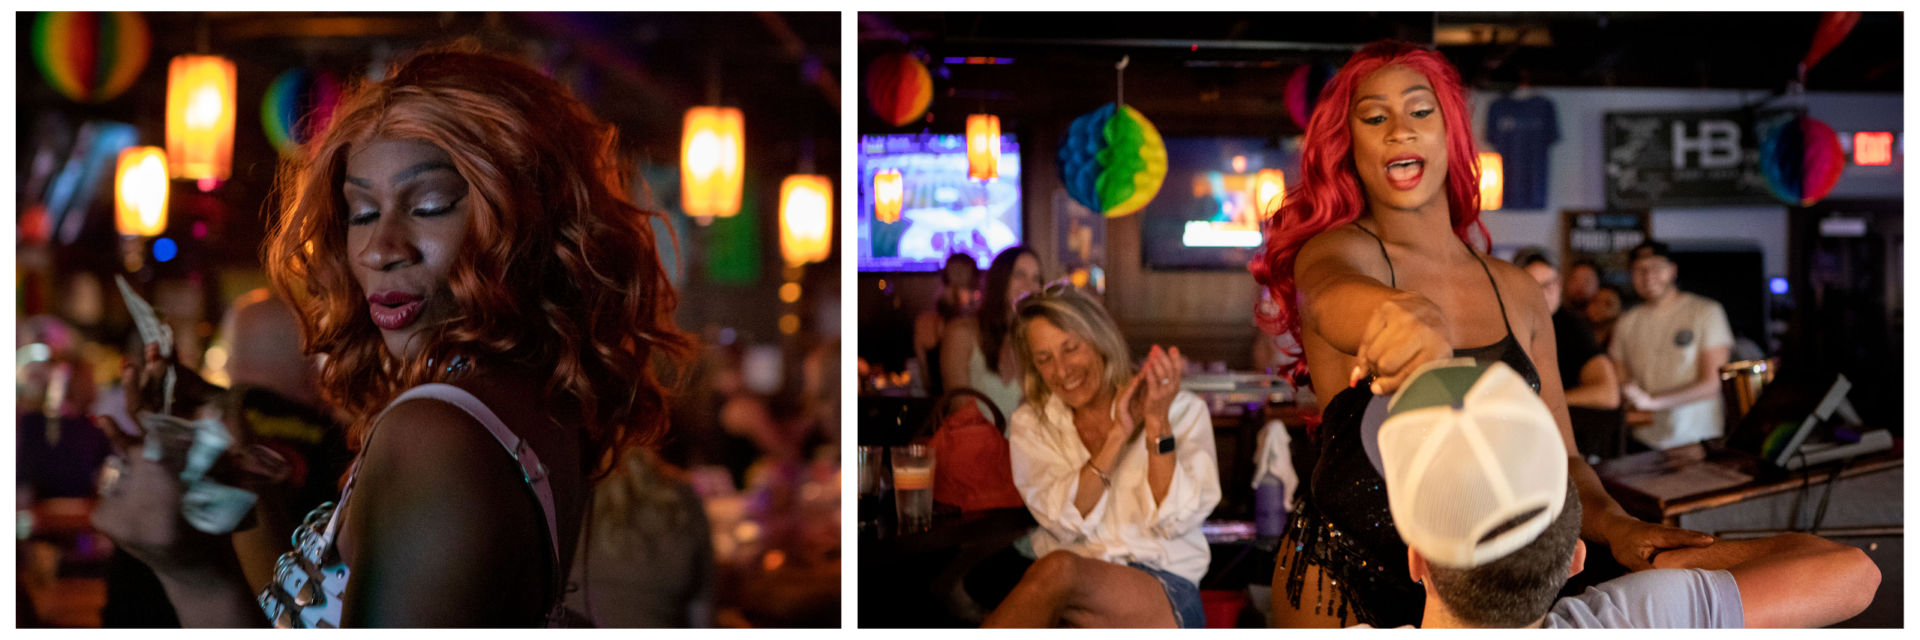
{"x":152,"y":331}
{"x":210,"y":440}
{"x":169,"y":439}
{"x":193,"y":447}
{"x":215,"y":508}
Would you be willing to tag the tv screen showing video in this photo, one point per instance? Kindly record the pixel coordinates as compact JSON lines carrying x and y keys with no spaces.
{"x":940,"y":211}
{"x":1207,"y":214}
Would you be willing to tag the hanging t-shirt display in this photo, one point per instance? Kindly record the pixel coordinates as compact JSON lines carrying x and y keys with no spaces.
{"x":1522,"y":130}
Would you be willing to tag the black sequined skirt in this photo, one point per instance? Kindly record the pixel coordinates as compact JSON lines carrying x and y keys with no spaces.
{"x":1342,"y":525}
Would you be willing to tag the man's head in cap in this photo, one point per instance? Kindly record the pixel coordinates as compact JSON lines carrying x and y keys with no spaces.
{"x":1477,"y":482}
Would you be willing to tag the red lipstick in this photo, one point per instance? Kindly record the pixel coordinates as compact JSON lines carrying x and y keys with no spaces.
{"x":394,"y":310}
{"x":1404,"y":171}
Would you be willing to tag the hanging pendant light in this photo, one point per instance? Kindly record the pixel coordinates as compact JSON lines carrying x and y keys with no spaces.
{"x":200,"y":113}
{"x":806,"y":219}
{"x":1492,"y":181}
{"x":889,"y":193}
{"x":712,"y":158}
{"x":140,"y":192}
{"x":1269,"y":191}
{"x":983,"y":146}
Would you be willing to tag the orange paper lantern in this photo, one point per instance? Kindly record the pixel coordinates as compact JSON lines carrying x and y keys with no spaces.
{"x":806,"y":219}
{"x":200,"y":113}
{"x":1492,"y":181}
{"x":712,"y":158}
{"x":983,"y":147}
{"x":140,"y":192}
{"x":1269,"y":191}
{"x":889,"y":193}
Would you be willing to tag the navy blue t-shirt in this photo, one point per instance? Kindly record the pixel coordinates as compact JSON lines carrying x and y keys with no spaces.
{"x":1522,"y":130}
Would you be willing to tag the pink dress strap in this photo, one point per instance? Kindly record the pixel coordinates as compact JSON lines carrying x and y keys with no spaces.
{"x":531,"y":469}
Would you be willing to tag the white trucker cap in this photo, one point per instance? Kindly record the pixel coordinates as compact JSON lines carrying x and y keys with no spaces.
{"x":1474,"y":463}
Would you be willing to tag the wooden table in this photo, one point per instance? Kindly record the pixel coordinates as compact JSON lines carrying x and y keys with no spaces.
{"x":1864,"y":509}
{"x":1670,"y":507}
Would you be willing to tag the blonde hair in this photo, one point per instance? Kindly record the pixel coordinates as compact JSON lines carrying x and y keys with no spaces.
{"x":1076,"y":314}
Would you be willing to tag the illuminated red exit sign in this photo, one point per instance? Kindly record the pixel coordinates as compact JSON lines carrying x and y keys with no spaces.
{"x":1872,"y":148}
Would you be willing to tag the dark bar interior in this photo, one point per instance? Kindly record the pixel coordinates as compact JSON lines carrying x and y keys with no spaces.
{"x":1773,"y":185}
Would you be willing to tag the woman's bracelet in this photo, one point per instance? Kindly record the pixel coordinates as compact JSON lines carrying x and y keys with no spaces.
{"x":1104,"y":480}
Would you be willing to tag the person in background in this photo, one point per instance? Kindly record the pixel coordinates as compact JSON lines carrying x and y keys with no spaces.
{"x":1583,"y":282}
{"x":1117,"y":466}
{"x":275,"y":402}
{"x":1508,"y":576}
{"x":1670,"y":349}
{"x":959,"y":292}
{"x":1593,"y":388}
{"x":647,"y":555}
{"x":1602,"y":311}
{"x":975,"y":351}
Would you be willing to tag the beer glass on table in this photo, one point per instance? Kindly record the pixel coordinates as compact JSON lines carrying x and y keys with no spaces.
{"x":913,"y":487}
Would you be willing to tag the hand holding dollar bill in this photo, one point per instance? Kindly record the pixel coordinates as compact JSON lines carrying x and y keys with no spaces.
{"x":189,"y":447}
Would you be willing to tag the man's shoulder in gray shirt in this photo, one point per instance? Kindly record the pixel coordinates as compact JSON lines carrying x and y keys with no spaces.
{"x":1654,"y":599}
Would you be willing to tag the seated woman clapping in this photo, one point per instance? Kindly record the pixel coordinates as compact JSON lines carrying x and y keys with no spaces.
{"x":1119,"y":469}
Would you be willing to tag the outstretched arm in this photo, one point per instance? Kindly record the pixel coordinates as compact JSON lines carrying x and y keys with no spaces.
{"x":1376,"y":329}
{"x":1788,"y":581}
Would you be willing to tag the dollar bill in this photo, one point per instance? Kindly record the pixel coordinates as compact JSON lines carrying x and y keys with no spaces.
{"x":215,"y":508}
{"x":210,"y":440}
{"x":152,"y":331}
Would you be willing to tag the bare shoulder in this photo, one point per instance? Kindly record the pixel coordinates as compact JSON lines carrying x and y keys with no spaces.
{"x":1517,"y":287}
{"x":1342,"y":248}
{"x":432,"y":443}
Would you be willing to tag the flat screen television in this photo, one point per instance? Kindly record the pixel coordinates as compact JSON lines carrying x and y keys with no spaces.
{"x":942,"y":211}
{"x":1205,"y":216}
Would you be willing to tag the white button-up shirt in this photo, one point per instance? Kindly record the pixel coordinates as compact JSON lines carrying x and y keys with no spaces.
{"x":1125,"y":525}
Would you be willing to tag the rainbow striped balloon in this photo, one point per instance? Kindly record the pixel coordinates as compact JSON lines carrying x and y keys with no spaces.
{"x":91,"y":56}
{"x":297,"y":106}
{"x":899,"y":88}
{"x":1113,"y":160}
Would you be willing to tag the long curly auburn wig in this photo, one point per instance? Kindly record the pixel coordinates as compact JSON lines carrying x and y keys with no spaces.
{"x":558,"y":272}
{"x":1330,"y":194}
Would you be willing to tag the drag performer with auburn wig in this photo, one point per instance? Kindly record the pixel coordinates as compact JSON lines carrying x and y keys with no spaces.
{"x":1373,"y":252}
{"x":460,"y":247}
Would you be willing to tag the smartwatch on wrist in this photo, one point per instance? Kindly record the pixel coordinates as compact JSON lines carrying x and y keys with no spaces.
{"x":1165,"y":445}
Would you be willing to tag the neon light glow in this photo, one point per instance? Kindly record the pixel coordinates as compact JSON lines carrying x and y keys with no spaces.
{"x":1873,"y":148}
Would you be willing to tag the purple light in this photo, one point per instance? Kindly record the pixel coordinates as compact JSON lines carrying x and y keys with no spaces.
{"x":1777,"y":285}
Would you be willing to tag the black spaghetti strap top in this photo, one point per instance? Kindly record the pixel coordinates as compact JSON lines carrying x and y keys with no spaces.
{"x":1342,"y":522}
{"x":1507,"y":350}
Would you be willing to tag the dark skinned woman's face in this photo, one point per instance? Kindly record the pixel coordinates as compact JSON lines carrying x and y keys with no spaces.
{"x":1399,"y":140}
{"x":407,"y":214}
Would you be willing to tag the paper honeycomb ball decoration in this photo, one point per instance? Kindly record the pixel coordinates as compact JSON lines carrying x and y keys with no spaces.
{"x":899,"y":88}
{"x":1801,"y":160}
{"x":1113,"y":160}
{"x":297,"y":106}
{"x":89,"y":56}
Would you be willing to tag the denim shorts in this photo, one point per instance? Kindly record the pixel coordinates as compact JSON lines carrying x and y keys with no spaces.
{"x":1182,"y":594}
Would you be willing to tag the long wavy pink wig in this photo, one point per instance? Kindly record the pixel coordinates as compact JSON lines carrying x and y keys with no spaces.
{"x":1329,"y":192}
